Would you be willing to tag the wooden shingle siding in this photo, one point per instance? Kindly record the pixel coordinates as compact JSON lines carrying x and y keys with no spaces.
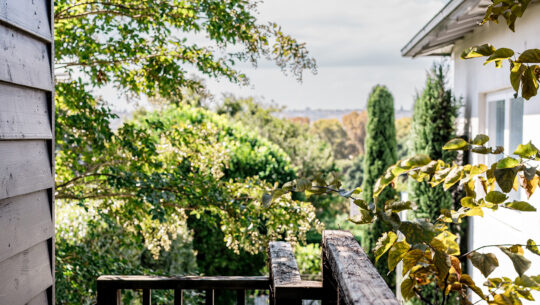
{"x":26,"y":153}
{"x":24,"y":222}
{"x":24,"y":113}
{"x":24,"y":60}
{"x":40,"y":299}
{"x":25,"y":167}
{"x":30,"y":15}
{"x":25,"y":275}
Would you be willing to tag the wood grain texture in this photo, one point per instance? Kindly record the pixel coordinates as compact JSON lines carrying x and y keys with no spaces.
{"x":24,"y":222}
{"x":183,"y":282}
{"x":24,"y":60}
{"x":25,"y":275}
{"x":25,"y":167}
{"x":283,"y":266}
{"x":30,"y":15}
{"x":40,"y":299}
{"x":358,"y":280}
{"x":24,"y":113}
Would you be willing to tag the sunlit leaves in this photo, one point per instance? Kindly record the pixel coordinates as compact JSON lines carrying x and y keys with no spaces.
{"x":417,"y":232}
{"x":480,"y":139}
{"x":478,"y":51}
{"x":384,"y":243}
{"x":363,"y":217}
{"x":530,"y":56}
{"x":407,"y":289}
{"x":456,"y":144}
{"x":526,"y":150}
{"x":520,"y":206}
{"x":496,"y":197}
{"x":486,"y":263}
{"x":531,"y":246}
{"x":515,"y":253}
{"x":396,"y":253}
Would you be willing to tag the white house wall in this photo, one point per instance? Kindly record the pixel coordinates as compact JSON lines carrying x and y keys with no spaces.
{"x":473,"y":81}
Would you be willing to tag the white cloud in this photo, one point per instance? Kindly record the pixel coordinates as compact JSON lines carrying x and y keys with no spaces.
{"x":356,"y":44}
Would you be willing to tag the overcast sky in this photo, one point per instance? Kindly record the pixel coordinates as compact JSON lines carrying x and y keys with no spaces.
{"x":356,"y":44}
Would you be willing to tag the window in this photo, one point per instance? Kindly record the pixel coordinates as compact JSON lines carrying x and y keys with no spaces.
{"x":504,"y":124}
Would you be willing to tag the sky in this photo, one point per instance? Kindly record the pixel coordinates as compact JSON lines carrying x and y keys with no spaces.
{"x":356,"y":44}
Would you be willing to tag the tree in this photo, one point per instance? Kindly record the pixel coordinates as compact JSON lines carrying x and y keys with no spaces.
{"x":354,"y":124}
{"x":144,"y":174}
{"x":380,"y":154}
{"x":403,"y":134}
{"x":331,"y":131}
{"x":433,"y":125}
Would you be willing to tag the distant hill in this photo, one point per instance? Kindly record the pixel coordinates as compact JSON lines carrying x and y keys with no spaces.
{"x":318,"y":114}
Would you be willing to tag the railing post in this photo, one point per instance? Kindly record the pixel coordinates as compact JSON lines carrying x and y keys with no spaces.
{"x":178,"y":297}
{"x":241,"y":297}
{"x":147,"y":297}
{"x":329,"y":283}
{"x":107,"y":295}
{"x":283,"y":274}
{"x":209,"y":297}
{"x":356,"y":279}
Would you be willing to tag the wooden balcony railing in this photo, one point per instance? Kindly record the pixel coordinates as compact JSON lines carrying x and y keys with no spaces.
{"x":349,"y":278}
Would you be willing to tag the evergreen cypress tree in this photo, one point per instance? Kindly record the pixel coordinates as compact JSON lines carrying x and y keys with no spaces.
{"x":380,"y":153}
{"x":433,"y":125}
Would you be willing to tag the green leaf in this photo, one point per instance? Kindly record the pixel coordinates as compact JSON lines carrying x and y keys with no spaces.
{"x":453,"y":177}
{"x":456,"y":144}
{"x":417,"y":232}
{"x":526,"y":150}
{"x":303,"y":185}
{"x":398,"y":206}
{"x":521,"y":264}
{"x":478,"y":51}
{"x":442,"y":263}
{"x":486,"y":263}
{"x":499,"y":55}
{"x":505,"y":178}
{"x":384,"y":243}
{"x":530,"y":56}
{"x":516,"y":73}
{"x":396,"y":253}
{"x":467,"y":280}
{"x":361,"y":204}
{"x":364,"y":217}
{"x":495,"y":197}
{"x":407,"y":289}
{"x":531,"y":246}
{"x":529,"y":83}
{"x":520,"y":206}
{"x":411,"y":258}
{"x":507,"y":162}
{"x":480,"y":139}
{"x":525,"y":281}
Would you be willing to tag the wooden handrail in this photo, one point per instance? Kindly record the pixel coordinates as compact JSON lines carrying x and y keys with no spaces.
{"x":109,"y":286}
{"x":349,"y":278}
{"x":287,"y":287}
{"x":348,"y":270}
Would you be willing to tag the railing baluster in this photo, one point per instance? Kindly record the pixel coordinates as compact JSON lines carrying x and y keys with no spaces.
{"x":147,"y":296}
{"x":178,"y":297}
{"x":209,"y":297}
{"x":241,"y":297}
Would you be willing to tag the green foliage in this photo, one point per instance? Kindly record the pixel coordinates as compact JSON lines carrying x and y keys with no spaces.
{"x":381,"y":149}
{"x":403,"y":135}
{"x":433,"y":126}
{"x":167,"y":165}
{"x":308,"y":153}
{"x":148,"y":176}
{"x":308,"y":258}
{"x":431,"y":257}
{"x":523,"y":75}
{"x":331,"y":131}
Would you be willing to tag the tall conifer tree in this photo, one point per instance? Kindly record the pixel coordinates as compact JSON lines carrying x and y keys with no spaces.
{"x":435,"y":112}
{"x":380,"y":146}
